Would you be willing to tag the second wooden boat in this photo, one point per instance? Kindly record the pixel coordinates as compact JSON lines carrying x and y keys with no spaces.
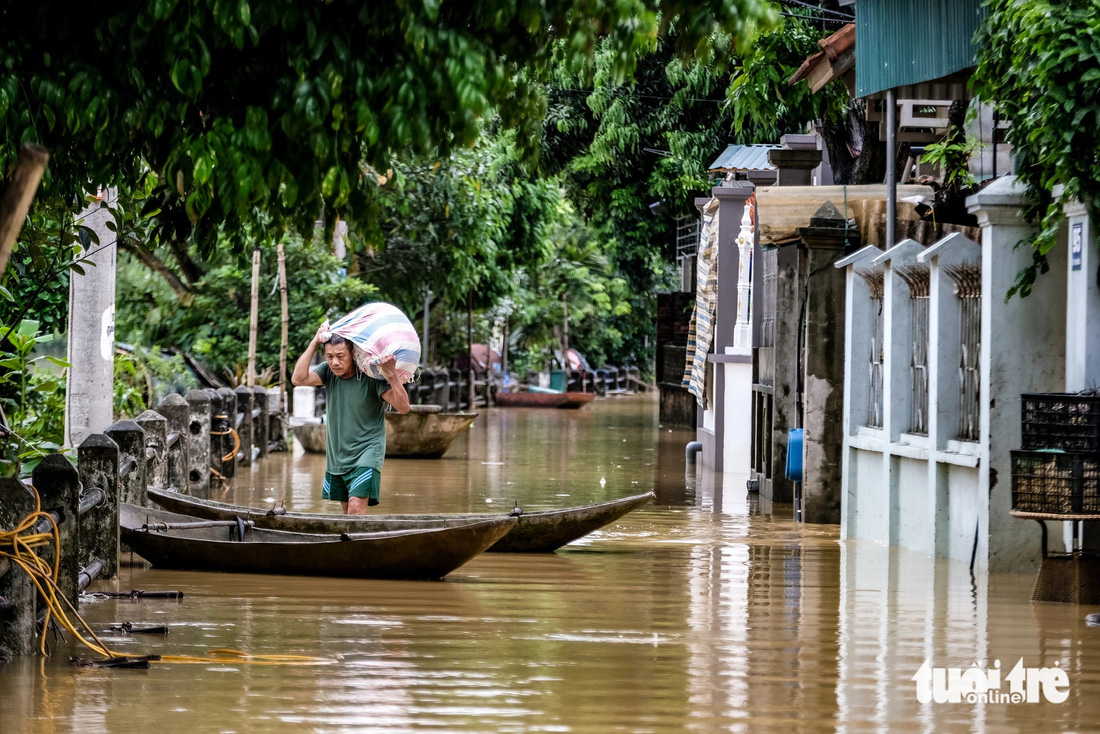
{"x":174,"y":540}
{"x":424,"y":435}
{"x":542,"y":531}
{"x":542,"y":399}
{"x":419,"y":434}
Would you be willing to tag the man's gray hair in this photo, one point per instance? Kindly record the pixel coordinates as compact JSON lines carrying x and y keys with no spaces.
{"x":337,"y":340}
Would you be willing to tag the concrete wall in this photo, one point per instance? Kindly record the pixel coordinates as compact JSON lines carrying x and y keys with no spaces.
{"x":937,"y":494}
{"x":711,"y":426}
{"x":866,"y":511}
{"x":785,"y":413}
{"x":89,"y":396}
{"x":823,"y":377}
{"x":1027,"y":355}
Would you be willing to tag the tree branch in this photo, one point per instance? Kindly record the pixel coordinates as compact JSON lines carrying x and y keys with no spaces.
{"x":17,"y":198}
{"x":182,"y":290}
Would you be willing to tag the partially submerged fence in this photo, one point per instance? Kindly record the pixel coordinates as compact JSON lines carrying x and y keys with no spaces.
{"x":450,"y":388}
{"x":186,"y":442}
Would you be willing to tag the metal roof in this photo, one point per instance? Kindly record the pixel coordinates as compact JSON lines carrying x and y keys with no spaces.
{"x":900,"y":42}
{"x":743,"y":158}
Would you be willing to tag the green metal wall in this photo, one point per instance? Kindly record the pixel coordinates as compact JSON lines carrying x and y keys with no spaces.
{"x":911,"y":41}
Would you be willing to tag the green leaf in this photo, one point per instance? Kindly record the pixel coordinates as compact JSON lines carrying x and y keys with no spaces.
{"x":27,"y":328}
{"x":329,"y":183}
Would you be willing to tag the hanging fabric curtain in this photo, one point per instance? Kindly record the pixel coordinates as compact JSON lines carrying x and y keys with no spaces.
{"x":701,"y":330}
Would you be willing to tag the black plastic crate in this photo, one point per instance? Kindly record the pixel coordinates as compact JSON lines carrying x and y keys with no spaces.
{"x":1065,"y":421}
{"x":1056,"y":483}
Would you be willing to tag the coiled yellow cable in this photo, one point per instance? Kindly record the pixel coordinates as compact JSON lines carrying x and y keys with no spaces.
{"x":19,"y":547}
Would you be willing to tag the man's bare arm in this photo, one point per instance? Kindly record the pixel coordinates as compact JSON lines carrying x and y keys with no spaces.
{"x":396,"y":395}
{"x":302,"y":374}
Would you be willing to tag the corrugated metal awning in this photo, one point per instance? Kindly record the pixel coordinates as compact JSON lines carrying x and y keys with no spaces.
{"x":743,"y":158}
{"x":900,"y":42}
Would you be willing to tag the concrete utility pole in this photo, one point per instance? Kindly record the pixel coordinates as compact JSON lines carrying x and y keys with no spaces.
{"x":89,"y":393}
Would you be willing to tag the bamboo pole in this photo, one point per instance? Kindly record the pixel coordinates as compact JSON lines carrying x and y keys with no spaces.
{"x":427,"y":311}
{"x":17,"y":198}
{"x":470,"y":345}
{"x":565,"y":336}
{"x":284,"y":332}
{"x":253,"y":318}
{"x":504,"y":353}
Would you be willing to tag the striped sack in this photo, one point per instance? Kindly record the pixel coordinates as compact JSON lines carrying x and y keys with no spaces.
{"x":377,"y":330}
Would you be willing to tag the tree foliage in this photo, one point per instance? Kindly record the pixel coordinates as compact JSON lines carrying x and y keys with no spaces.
{"x":633,"y":156}
{"x":284,"y":107}
{"x":1039,"y":64}
{"x":32,"y":398}
{"x":213,"y":325}
{"x":459,"y":227}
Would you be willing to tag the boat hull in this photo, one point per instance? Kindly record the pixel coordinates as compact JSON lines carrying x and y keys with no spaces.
{"x":418,"y":434}
{"x":422,"y":553}
{"x":542,"y":531}
{"x":424,"y":435}
{"x":569,"y":400}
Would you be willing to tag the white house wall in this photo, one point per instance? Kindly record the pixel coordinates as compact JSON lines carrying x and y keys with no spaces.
{"x":1026,"y":353}
{"x":940,"y":495}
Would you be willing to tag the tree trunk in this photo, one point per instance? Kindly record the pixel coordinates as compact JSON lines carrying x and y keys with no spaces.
{"x":253,"y":319}
{"x":856,"y":153}
{"x":182,"y":290}
{"x":17,"y":198}
{"x":284,"y":331}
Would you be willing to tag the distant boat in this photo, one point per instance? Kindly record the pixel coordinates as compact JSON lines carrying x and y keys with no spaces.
{"x":542,"y":399}
{"x":541,"y":531}
{"x":173,"y":540}
{"x":424,"y":434}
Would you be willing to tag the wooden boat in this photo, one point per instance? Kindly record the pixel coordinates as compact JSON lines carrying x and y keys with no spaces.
{"x":173,"y":540}
{"x":542,"y":399}
{"x":311,"y":436}
{"x":543,"y":531}
{"x":423,"y":434}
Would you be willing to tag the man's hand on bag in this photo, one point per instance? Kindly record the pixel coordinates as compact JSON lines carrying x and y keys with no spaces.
{"x":387,"y":365}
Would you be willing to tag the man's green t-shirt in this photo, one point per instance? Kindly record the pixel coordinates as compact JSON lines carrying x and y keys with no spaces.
{"x":356,"y":435}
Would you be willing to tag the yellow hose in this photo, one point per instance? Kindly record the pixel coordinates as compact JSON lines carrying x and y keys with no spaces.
{"x":236,"y":439}
{"x":19,"y":548}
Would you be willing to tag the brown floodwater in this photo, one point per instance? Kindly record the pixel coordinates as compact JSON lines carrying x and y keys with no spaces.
{"x":699,"y":613}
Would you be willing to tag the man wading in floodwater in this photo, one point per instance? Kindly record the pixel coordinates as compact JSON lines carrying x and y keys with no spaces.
{"x":355,"y":443}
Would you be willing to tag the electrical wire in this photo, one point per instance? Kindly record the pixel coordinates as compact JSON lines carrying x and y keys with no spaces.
{"x":819,"y":9}
{"x":19,"y":546}
{"x":815,"y":20}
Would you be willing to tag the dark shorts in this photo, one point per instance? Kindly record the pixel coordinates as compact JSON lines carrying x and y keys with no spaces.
{"x":363,"y":482}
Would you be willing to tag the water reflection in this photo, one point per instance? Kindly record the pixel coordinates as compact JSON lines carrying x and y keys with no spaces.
{"x":703,"y":612}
